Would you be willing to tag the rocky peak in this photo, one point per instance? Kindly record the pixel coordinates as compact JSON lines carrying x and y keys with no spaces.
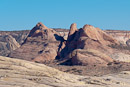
{"x":46,"y":44}
{"x":87,"y":26}
{"x":97,"y":35}
{"x":37,"y":30}
{"x":91,"y":32}
{"x":73,"y":29}
{"x":41,"y":26}
{"x":91,"y":41}
{"x":42,"y":44}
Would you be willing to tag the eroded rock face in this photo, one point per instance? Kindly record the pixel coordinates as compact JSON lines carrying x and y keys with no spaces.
{"x":90,"y":45}
{"x":90,"y":57}
{"x":42,"y":31}
{"x":12,"y":44}
{"x":7,"y":44}
{"x":42,"y":44}
{"x":98,"y":35}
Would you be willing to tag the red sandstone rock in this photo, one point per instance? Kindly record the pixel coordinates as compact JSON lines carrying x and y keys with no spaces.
{"x":42,"y":44}
{"x":73,"y":29}
{"x":89,"y":38}
{"x":98,"y":35}
{"x":89,"y":57}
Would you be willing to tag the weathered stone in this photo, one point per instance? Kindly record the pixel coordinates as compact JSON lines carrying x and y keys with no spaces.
{"x":89,"y":38}
{"x":42,"y":44}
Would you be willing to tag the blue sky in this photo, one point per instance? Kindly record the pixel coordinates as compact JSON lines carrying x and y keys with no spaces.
{"x":24,"y":14}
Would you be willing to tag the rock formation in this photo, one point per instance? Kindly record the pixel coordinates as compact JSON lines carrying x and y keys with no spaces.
{"x":88,"y":46}
{"x":12,"y":44}
{"x":7,"y":44}
{"x":98,"y":35}
{"x":41,"y":45}
{"x":73,"y":29}
{"x":84,"y":46}
{"x":90,"y":57}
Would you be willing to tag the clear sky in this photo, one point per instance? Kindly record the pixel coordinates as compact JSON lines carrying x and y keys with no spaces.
{"x":24,"y":14}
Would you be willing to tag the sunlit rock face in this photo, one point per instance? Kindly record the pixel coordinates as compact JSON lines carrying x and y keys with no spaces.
{"x":41,"y":45}
{"x":7,"y":44}
{"x":88,"y":46}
